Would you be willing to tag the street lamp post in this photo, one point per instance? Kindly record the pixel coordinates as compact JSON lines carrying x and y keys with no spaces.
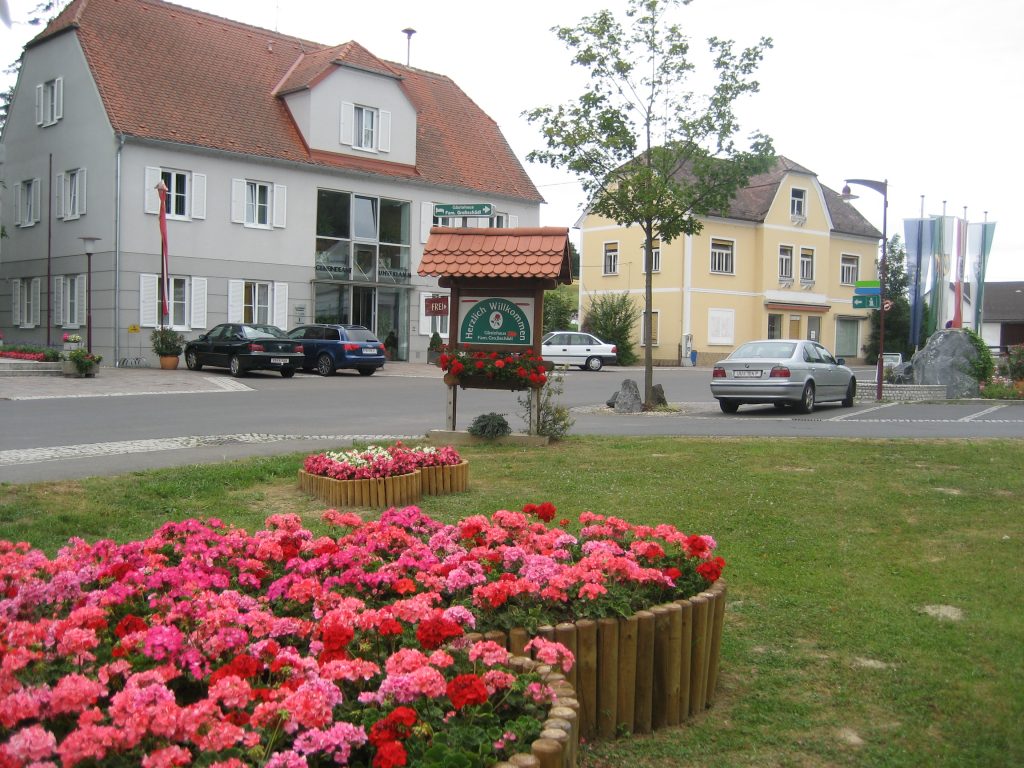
{"x":882,"y":187}
{"x":89,"y":242}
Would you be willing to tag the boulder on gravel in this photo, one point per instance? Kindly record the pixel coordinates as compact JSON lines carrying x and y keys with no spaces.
{"x":628,"y":398}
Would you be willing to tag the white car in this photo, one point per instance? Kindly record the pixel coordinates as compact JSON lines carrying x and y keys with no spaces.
{"x":575,"y":348}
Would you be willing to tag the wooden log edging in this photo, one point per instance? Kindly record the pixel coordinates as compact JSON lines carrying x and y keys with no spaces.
{"x":445,"y":478}
{"x":397,"y":491}
{"x":655,"y":669}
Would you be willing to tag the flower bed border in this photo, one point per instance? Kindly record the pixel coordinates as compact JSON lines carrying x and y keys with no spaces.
{"x":444,"y":478}
{"x":653,"y":670}
{"x":399,"y":490}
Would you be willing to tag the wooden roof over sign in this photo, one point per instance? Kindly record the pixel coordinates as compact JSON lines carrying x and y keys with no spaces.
{"x":518,"y":252}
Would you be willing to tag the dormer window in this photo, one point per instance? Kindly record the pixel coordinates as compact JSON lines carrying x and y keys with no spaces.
{"x":365,"y":128}
{"x":797,"y":207}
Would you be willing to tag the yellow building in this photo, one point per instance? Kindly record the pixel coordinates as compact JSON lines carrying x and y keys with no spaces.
{"x":782,"y":263}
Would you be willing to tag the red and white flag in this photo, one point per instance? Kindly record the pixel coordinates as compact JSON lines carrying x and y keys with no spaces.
{"x":165,"y":272}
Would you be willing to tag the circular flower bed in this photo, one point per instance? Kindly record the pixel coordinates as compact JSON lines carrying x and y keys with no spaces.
{"x":205,"y":644}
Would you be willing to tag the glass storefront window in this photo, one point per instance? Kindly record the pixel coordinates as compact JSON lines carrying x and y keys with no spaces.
{"x":364,"y":263}
{"x":333,"y":214}
{"x":366,"y":218}
{"x":394,"y":222}
{"x":332,"y":303}
{"x":394,"y":264}
{"x":333,"y":259}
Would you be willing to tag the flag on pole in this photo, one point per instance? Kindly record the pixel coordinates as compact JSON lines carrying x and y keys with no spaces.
{"x":940,"y":271}
{"x":921,"y":244}
{"x":165,"y":273}
{"x":979,"y":246}
{"x":961,"y":257}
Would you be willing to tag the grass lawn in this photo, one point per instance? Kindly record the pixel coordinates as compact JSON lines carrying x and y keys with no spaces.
{"x":876,"y":588}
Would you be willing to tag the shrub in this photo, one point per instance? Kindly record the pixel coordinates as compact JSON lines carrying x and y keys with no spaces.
{"x":555,"y":421}
{"x":559,"y":306}
{"x":490,"y":426}
{"x":435,"y":342}
{"x":83,"y":360}
{"x":982,"y":367}
{"x":1012,"y":366}
{"x":166,"y":342}
{"x":30,"y":352}
{"x":612,"y":317}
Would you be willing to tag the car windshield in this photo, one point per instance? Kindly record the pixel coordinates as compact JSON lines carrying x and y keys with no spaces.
{"x":263,"y":332}
{"x":360,"y":334}
{"x":768,"y":350}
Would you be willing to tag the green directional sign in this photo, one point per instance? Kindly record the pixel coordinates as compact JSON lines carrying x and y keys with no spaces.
{"x":867,"y":302}
{"x":868,"y":284}
{"x":463,"y":209}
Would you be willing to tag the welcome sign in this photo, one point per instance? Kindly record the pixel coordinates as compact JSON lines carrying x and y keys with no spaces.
{"x":496,"y":321}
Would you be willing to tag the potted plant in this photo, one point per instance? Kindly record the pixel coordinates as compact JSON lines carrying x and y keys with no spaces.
{"x":434,"y":348}
{"x":80,"y":363}
{"x":167,"y":344}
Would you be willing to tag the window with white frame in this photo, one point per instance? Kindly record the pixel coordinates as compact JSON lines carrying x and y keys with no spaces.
{"x":27,"y":201}
{"x":611,"y":258}
{"x":722,"y":261}
{"x":255,"y":301}
{"x":654,"y":329}
{"x":25,"y":302}
{"x":366,"y":128}
{"x":186,"y":302}
{"x":655,"y":255}
{"x":721,"y":326}
{"x":50,"y":102}
{"x":186,"y":193}
{"x":431,"y":324}
{"x":69,"y":194}
{"x":68,"y":300}
{"x":849,"y":269}
{"x":797,"y":203}
{"x":258,"y":204}
{"x":807,"y":265}
{"x":785,"y":262}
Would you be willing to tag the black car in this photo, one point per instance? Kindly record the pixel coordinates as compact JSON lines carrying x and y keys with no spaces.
{"x":329,"y":347}
{"x":243,"y":347}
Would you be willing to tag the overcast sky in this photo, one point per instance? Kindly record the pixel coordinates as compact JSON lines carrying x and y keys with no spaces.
{"x":927,"y":94}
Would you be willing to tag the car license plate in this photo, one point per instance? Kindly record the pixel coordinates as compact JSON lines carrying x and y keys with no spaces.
{"x":279,"y":360}
{"x":369,"y":351}
{"x":746,"y":374}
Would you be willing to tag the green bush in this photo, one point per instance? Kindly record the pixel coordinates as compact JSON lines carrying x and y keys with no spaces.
{"x":982,"y":367}
{"x":84,"y":360}
{"x":613,"y":317}
{"x":555,"y":421}
{"x":559,"y":306}
{"x":489,"y":426}
{"x":435,"y":342}
{"x":1012,"y":366}
{"x":50,"y":355}
{"x":166,"y":342}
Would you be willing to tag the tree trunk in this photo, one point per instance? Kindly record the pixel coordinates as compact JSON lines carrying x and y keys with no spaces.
{"x":648,"y":314}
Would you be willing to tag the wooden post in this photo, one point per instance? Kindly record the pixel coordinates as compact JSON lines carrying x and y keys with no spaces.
{"x":716,"y":641}
{"x":660,"y":681}
{"x":548,"y":753}
{"x":608,"y":674}
{"x":451,"y":404}
{"x":685,"y":656}
{"x":700,"y":631}
{"x":675,"y":652}
{"x":644,"y":671}
{"x":565,"y":633}
{"x":627,"y":674}
{"x":517,"y":640}
{"x":586,"y":676}
{"x":523,"y":760}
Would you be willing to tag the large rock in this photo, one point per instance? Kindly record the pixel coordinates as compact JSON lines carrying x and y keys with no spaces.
{"x":658,"y":395}
{"x":945,"y":359}
{"x":628,"y":400}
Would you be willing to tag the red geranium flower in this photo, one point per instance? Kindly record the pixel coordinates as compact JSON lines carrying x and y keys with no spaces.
{"x":465,"y":690}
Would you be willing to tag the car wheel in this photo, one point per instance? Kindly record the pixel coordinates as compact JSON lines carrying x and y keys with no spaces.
{"x":367,"y":371}
{"x":235,"y":366}
{"x":851,"y":392}
{"x":192,"y":361}
{"x":594,"y":363}
{"x":728,"y":406}
{"x":325,"y":365}
{"x":806,"y":404}
{"x":287,"y":372}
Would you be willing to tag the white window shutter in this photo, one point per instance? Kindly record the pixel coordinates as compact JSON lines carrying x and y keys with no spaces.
{"x":148,"y":300}
{"x":80,"y":286}
{"x":280,"y":215}
{"x":59,"y":195}
{"x":348,"y":119}
{"x":58,"y":87}
{"x":513,"y":220}
{"x":39,"y":105}
{"x":199,"y":199}
{"x":198,"y":319}
{"x":426,"y":220}
{"x":81,"y":192}
{"x":384,"y":142}
{"x":37,"y":188}
{"x":18,"y":213}
{"x":16,"y":301}
{"x":281,"y":305}
{"x":236,"y":297}
{"x":150,"y":197}
{"x":57,"y":300}
{"x":35,"y":301}
{"x":237,"y":206}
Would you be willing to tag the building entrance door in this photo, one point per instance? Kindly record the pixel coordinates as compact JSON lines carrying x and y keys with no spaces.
{"x":364,"y":307}
{"x":794,"y":326}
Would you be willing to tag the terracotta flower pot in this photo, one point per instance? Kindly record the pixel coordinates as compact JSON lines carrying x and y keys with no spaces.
{"x":168,"y":362}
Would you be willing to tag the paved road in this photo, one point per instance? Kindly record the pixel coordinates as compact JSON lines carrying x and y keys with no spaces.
{"x":129,"y":419}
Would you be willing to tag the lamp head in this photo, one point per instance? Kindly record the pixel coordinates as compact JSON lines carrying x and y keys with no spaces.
{"x":89,"y":243}
{"x":847,"y":194}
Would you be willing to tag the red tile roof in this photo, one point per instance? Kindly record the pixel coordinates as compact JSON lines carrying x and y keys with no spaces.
{"x":541,"y":252}
{"x":174,"y":74}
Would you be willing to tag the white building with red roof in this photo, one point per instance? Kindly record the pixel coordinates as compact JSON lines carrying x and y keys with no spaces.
{"x":302,"y":179}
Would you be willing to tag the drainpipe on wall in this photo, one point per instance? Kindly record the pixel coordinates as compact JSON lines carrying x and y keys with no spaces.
{"x":49,"y":252}
{"x":117,"y":252}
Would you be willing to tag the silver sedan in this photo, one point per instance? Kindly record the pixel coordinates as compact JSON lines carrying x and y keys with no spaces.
{"x":782,"y":372}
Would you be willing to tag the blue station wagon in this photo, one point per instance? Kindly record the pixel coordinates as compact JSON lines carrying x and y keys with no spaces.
{"x":330,"y":347}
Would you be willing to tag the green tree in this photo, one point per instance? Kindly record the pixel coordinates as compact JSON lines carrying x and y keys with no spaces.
{"x":612,"y":317}
{"x":648,"y":150}
{"x":897,"y":319}
{"x":559,"y":306}
{"x":574,"y":260}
